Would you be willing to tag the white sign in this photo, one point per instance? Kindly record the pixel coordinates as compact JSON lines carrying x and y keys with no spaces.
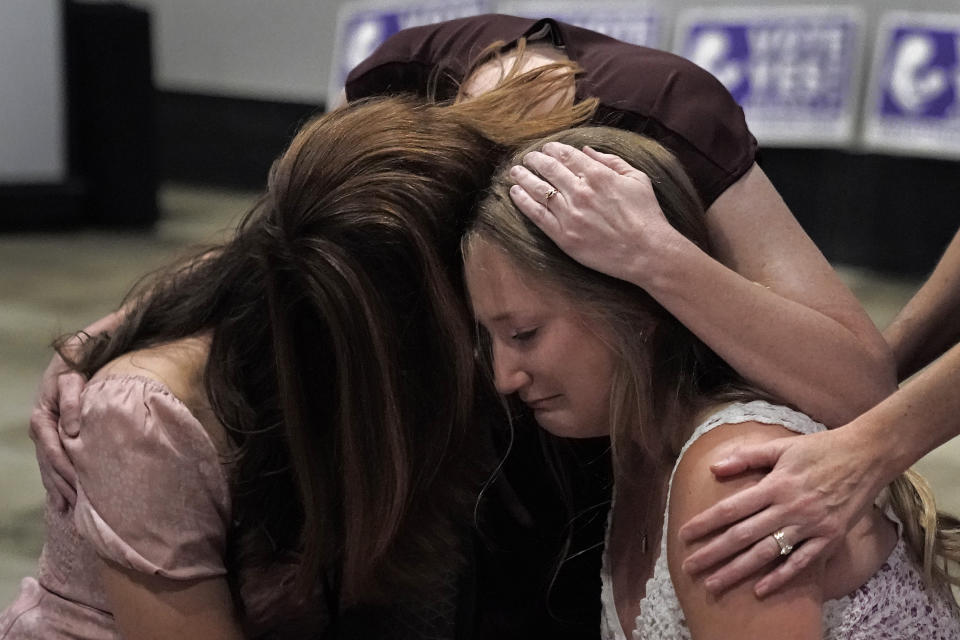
{"x":629,"y":21}
{"x":913,"y":102}
{"x":794,"y":70}
{"x":363,"y":26}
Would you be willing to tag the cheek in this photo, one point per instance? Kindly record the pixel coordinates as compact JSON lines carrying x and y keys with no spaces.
{"x":595,"y":377}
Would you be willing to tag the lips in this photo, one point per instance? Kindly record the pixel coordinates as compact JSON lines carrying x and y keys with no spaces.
{"x":540,"y":403}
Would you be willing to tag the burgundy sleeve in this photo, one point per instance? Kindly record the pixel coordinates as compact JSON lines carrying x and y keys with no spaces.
{"x":404,"y":62}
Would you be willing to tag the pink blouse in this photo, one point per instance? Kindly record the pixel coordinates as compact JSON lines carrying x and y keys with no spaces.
{"x":152,"y":496}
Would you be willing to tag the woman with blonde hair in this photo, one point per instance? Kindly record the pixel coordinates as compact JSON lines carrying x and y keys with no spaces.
{"x":587,"y":354}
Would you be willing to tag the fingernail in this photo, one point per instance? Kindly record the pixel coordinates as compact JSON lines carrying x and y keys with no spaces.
{"x":515,"y":170}
{"x":690,"y":567}
{"x":712,"y":584}
{"x":760,"y":590}
{"x":720,"y":463}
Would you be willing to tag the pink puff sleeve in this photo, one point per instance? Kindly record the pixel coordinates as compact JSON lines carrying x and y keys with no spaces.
{"x":152,"y":493}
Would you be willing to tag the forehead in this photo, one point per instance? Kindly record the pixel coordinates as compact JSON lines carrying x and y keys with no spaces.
{"x":499,"y":288}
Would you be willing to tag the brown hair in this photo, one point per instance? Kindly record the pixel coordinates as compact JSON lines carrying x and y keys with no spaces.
{"x":340,"y":360}
{"x":664,"y":372}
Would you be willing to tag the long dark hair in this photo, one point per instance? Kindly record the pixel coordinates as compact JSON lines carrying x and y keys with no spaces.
{"x":340,"y":357}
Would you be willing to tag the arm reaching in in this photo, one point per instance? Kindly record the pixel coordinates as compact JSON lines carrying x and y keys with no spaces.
{"x":805,"y":338}
{"x":927,"y":325}
{"x":821,"y":483}
{"x":56,"y":410}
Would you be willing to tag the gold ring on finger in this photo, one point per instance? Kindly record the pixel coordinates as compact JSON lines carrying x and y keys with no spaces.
{"x":781,"y":539}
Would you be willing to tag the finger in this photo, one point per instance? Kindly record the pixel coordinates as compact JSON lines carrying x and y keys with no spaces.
{"x":796,"y":562}
{"x":611,"y":161}
{"x":763,"y":552}
{"x":57,"y":501}
{"x":536,"y":187}
{"x":70,"y":386}
{"x":60,"y":491}
{"x":727,"y":511}
{"x":538,"y":214}
{"x":763,"y":456}
{"x":50,"y":453}
{"x":63,"y":493}
{"x":554,"y":171}
{"x":734,"y":540}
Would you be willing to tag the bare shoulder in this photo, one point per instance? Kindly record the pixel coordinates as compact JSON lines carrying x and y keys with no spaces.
{"x":179,"y":366}
{"x":736,"y":613}
{"x":695,"y":487}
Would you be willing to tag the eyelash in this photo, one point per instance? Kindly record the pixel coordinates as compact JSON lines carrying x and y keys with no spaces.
{"x":524,"y":336}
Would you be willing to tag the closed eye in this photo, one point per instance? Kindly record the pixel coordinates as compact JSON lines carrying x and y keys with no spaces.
{"x":524,"y":336}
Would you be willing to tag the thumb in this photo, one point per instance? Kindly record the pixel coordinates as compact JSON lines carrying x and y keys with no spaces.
{"x":758,"y":456}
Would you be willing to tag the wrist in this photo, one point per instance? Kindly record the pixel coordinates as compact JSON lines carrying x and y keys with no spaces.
{"x":884,"y":456}
{"x":660,"y":266}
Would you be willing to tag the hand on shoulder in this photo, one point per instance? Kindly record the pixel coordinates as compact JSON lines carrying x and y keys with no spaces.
{"x":795,"y":611}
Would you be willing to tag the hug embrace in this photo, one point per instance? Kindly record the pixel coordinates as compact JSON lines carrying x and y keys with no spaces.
{"x":298,"y":434}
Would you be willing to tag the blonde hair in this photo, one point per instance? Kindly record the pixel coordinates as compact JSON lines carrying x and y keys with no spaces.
{"x":664,"y":372}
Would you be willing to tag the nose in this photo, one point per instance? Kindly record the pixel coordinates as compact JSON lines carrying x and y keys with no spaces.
{"x":509,"y":376}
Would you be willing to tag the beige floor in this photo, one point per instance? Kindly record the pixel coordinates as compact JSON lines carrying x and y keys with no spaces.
{"x":55,"y":283}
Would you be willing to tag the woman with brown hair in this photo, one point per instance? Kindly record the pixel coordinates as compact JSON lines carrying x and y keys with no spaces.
{"x":587,"y":354}
{"x":283,"y":426}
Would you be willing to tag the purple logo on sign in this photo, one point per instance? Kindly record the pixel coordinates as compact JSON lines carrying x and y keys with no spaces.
{"x":774,"y":63}
{"x":363,"y":29}
{"x":722,"y":50}
{"x":921,"y":73}
{"x":363,"y":33}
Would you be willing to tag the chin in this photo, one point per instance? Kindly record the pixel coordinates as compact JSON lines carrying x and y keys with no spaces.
{"x":565,"y":428}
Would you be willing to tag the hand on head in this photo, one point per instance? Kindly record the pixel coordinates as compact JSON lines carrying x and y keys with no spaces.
{"x":595,"y":206}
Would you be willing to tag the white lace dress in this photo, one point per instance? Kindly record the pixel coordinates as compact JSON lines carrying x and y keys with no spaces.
{"x":894,"y":604}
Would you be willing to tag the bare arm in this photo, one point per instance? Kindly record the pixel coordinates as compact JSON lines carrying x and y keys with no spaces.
{"x":794,"y":613}
{"x":805,"y":338}
{"x":149,"y":607}
{"x":928,"y":325}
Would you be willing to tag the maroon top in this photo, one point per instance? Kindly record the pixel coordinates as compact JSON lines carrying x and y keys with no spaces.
{"x":652,"y":92}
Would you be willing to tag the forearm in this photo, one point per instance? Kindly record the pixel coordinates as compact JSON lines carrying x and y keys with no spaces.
{"x":928,"y":324}
{"x":918,"y":418}
{"x":797,"y":353}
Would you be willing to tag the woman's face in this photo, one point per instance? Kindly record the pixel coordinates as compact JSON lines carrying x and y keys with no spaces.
{"x":543,"y":350}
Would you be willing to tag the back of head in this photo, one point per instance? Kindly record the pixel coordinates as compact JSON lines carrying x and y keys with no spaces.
{"x":358,"y":238}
